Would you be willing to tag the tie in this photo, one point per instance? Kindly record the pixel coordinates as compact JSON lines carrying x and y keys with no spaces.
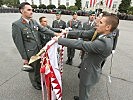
{"x":30,"y":23}
{"x":90,"y":23}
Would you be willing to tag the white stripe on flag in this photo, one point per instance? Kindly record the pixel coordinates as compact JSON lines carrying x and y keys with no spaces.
{"x":109,"y":3}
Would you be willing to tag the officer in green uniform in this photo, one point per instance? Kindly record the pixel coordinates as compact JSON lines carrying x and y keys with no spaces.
{"x":25,"y":33}
{"x":44,"y":23}
{"x":91,"y":21}
{"x":58,"y":23}
{"x":75,"y":24}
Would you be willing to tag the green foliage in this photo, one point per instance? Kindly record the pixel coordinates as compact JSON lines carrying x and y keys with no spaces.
{"x":1,"y":3}
{"x":73,"y":8}
{"x":123,"y":7}
{"x":62,"y":7}
{"x":130,"y":10}
{"x":78,"y":4}
{"x":11,"y":3}
{"x":34,"y":6}
{"x":42,"y":6}
{"x":51,"y":7}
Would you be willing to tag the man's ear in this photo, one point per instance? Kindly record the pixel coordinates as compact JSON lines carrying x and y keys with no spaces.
{"x":21,"y":10}
{"x":108,"y":27}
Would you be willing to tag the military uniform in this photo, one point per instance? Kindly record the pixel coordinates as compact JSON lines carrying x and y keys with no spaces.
{"x":88,"y":25}
{"x":45,"y":37}
{"x":96,"y":52}
{"x":27,"y":41}
{"x":59,"y":24}
{"x":75,"y":25}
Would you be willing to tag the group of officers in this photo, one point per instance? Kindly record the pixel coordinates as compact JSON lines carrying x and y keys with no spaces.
{"x":73,"y":24}
{"x":96,"y":43}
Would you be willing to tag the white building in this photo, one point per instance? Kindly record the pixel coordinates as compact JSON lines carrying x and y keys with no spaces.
{"x":86,"y":4}
{"x":109,"y":5}
{"x":54,"y":2}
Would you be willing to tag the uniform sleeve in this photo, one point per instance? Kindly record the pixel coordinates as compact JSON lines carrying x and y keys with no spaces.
{"x":79,"y":25}
{"x":82,"y":33}
{"x":45,"y":30}
{"x":64,"y":25}
{"x":96,"y":46}
{"x":53,"y":24}
{"x":116,"y":35}
{"x":68,"y":24}
{"x":55,"y":29}
{"x":18,"y":40}
{"x":83,"y":26}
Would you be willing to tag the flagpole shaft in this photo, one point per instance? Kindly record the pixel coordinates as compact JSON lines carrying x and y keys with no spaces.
{"x":42,"y":86}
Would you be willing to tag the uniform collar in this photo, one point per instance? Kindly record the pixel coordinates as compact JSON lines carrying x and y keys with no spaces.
{"x":26,"y":20}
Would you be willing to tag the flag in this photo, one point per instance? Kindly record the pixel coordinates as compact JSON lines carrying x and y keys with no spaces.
{"x":51,"y":71}
{"x":92,"y":3}
{"x":109,"y":3}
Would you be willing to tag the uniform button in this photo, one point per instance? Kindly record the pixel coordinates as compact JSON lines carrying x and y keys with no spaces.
{"x":28,"y":50}
{"x":27,"y":32}
{"x":85,"y":68}
{"x":28,"y":36}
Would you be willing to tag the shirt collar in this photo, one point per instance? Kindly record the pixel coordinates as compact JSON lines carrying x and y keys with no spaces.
{"x":26,"y":20}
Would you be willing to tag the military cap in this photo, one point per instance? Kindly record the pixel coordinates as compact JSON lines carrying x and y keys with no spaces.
{"x":74,"y":13}
{"x":58,"y":13}
{"x":91,"y":13}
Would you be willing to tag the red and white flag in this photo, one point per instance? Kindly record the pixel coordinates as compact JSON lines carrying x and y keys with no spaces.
{"x":92,"y":3}
{"x":109,"y":3}
{"x":51,"y":69}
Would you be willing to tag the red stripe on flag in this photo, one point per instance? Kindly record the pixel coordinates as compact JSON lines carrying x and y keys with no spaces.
{"x":94,"y":3}
{"x":110,"y":3}
{"x":107,"y":1}
{"x":90,"y":3}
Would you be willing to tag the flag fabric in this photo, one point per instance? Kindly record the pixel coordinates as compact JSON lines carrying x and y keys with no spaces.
{"x":51,"y":70}
{"x":109,"y":3}
{"x":92,"y":3}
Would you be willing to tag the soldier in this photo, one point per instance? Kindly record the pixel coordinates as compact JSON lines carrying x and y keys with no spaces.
{"x":91,"y":21}
{"x":44,"y":23}
{"x":75,"y":24}
{"x":58,"y":23}
{"x":25,"y":33}
{"x":95,"y":53}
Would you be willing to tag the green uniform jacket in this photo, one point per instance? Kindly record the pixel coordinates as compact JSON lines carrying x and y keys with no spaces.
{"x":96,"y":52}
{"x":87,"y":26}
{"x":74,"y":24}
{"x":46,"y":37}
{"x":61,"y":24}
{"x":27,"y":38}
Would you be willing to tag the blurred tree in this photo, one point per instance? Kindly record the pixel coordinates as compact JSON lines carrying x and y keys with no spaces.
{"x":62,"y":7}
{"x":130,"y":10}
{"x":123,"y":7}
{"x":11,"y":3}
{"x":42,"y":6}
{"x":1,"y":3}
{"x":73,"y":8}
{"x":78,"y":4}
{"x":34,"y":6}
{"x":51,"y":7}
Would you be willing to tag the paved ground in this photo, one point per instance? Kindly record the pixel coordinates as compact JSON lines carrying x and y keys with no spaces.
{"x":15,"y":84}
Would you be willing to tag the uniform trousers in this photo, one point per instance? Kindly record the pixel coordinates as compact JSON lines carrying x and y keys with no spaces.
{"x":84,"y":92}
{"x":70,"y":52}
{"x":35,"y":74}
